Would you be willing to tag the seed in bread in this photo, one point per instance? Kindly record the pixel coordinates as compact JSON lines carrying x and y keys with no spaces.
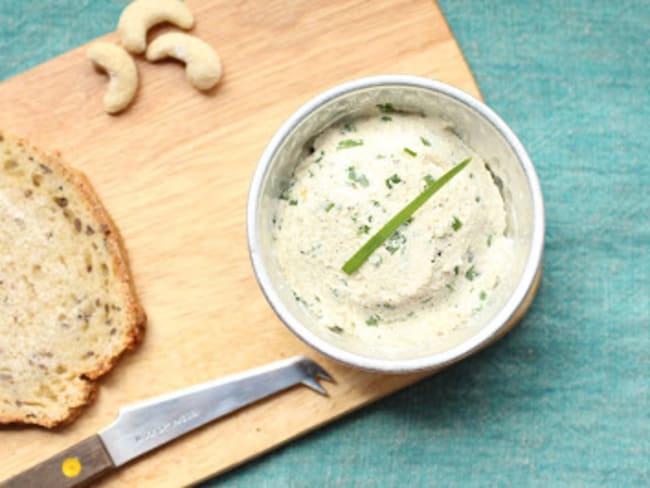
{"x":68,"y":306}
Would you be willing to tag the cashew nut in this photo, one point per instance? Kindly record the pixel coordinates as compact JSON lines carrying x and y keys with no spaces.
{"x":140,"y":15}
{"x":123,"y":74}
{"x":203,"y":66}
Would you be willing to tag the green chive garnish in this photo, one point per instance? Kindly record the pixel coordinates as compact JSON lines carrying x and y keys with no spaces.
{"x":425,"y":142}
{"x":293,"y":202}
{"x":360,"y":257}
{"x":410,"y":152}
{"x":348,"y":143}
{"x":329,"y":207}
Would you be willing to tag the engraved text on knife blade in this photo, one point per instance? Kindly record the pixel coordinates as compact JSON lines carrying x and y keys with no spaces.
{"x":161,"y":429}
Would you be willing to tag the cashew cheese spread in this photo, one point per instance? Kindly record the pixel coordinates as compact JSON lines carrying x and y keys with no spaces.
{"x":434,"y":275}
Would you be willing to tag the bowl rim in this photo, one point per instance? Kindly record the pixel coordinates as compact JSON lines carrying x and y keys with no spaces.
{"x":488,"y":332}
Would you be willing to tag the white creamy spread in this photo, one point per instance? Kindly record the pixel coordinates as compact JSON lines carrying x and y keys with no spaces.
{"x":434,"y":275}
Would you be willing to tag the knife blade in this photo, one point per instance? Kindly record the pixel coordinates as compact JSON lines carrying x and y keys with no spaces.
{"x":144,"y":426}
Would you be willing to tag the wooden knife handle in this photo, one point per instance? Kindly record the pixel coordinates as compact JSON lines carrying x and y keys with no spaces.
{"x":76,"y":466}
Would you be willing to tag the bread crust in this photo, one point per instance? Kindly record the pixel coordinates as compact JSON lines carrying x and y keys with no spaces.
{"x":135,"y":313}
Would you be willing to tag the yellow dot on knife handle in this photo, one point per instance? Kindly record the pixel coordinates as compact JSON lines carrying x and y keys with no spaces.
{"x":71,"y":467}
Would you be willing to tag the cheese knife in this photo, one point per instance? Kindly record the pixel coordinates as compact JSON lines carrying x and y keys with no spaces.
{"x":145,"y":426}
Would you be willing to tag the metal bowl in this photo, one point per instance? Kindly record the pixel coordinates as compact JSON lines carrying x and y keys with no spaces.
{"x":482,"y":129}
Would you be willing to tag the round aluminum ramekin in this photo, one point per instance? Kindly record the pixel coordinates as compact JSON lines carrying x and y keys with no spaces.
{"x":480,"y":127}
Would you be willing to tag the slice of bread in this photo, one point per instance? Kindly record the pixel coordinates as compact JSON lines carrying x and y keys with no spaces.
{"x":68,"y":308}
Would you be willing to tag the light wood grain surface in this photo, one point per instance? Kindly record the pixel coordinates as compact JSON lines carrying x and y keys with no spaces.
{"x":174,"y":172}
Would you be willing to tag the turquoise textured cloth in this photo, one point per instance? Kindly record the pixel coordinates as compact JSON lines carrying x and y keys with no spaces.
{"x":563,"y":399}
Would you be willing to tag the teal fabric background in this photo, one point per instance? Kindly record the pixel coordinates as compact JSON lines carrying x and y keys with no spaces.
{"x":563,"y":399}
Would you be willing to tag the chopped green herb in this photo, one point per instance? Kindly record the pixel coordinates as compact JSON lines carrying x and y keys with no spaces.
{"x":320,"y":157}
{"x":430,"y":180}
{"x":364,"y":229}
{"x":395,"y":242}
{"x":380,"y":156}
{"x":329,"y":207}
{"x":370,"y":218}
{"x":386,"y":118}
{"x":361,"y":179}
{"x":408,"y":221}
{"x":425,"y":142}
{"x":298,"y":298}
{"x":348,"y":127}
{"x":387,"y":108}
{"x":456,"y":270}
{"x":360,"y":257}
{"x":392,"y":181}
{"x":317,"y":298}
{"x":489,"y":241}
{"x":450,"y":287}
{"x":373,"y":320}
{"x":470,"y":274}
{"x":483,"y":295}
{"x":497,"y":181}
{"x":293,"y":202}
{"x":410,"y":314}
{"x":410,"y":152}
{"x":336,"y":329}
{"x":471,"y":175}
{"x":348,"y":143}
{"x":477,"y":199}
{"x":388,"y":306}
{"x":376,"y":203}
{"x":456,"y":224}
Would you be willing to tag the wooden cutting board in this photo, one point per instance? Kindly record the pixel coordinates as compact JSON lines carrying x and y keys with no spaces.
{"x":174,"y":172}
